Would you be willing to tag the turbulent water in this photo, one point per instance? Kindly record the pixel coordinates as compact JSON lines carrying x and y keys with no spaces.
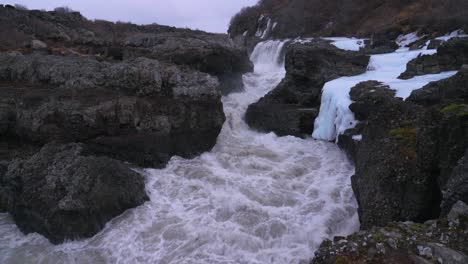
{"x":255,"y":198}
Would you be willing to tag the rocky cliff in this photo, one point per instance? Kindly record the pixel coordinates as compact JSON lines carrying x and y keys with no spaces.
{"x":303,"y":18}
{"x":83,"y":102}
{"x":290,"y":109}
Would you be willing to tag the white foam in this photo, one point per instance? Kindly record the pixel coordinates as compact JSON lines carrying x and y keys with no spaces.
{"x":255,"y":198}
{"x":335,"y":117}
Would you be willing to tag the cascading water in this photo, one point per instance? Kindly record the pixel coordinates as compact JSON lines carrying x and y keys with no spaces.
{"x":255,"y":198}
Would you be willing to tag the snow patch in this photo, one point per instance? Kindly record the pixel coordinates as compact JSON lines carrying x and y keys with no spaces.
{"x":353,"y":44}
{"x":455,"y":34}
{"x":335,"y":117}
{"x":405,"y":40}
{"x":357,"y":137}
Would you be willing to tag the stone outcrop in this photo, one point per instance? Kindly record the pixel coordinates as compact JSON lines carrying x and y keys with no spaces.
{"x":436,"y":241}
{"x":290,"y":109}
{"x":62,"y":194}
{"x":411,"y":154}
{"x":71,"y":33}
{"x":450,"y":56}
{"x":394,"y":179}
{"x":216,"y":55}
{"x":81,"y":102}
{"x":140,"y":110}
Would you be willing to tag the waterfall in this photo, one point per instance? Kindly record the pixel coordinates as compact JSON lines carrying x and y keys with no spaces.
{"x":255,"y":198}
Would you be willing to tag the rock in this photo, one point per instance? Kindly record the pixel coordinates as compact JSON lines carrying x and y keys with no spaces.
{"x":71,"y":33}
{"x":455,"y":191}
{"x":409,"y":162}
{"x":448,"y":255}
{"x":459,"y":209}
{"x":142,"y":110}
{"x":435,"y":44}
{"x":450,"y":56}
{"x":394,"y":159}
{"x":37,"y":44}
{"x":444,"y":92}
{"x":291,"y":108}
{"x":215,"y":54}
{"x":379,"y":44}
{"x":63,"y":194}
{"x":413,"y":244}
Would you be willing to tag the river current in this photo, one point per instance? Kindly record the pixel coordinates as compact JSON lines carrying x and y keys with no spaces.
{"x":255,"y":198}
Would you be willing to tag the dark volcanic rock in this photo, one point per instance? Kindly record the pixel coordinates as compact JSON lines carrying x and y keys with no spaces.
{"x":290,"y":109}
{"x":450,"y":56}
{"x":216,"y":54}
{"x":62,"y":33}
{"x":456,"y":188}
{"x":441,"y":241}
{"x":62,"y":194}
{"x":140,"y":110}
{"x":394,"y":180}
{"x":410,"y":157}
{"x":443,"y":92}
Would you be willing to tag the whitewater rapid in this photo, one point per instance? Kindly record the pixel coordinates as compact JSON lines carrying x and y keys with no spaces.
{"x":255,"y":198}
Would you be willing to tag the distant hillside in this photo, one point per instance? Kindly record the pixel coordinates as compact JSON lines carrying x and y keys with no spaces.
{"x":293,"y":18}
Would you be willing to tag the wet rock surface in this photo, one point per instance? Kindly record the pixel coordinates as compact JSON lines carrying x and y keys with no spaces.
{"x":63,"y":194}
{"x":140,"y":110}
{"x":290,"y":109}
{"x":436,"y":241}
{"x":450,"y":56}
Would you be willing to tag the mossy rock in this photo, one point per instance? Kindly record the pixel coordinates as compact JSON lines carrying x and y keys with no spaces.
{"x":455,"y":109}
{"x":408,"y":136}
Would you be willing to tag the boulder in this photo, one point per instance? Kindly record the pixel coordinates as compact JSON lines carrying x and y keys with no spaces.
{"x":459,"y":209}
{"x":444,"y":92}
{"x":215,"y":54}
{"x":291,"y":108}
{"x":450,"y":56}
{"x":142,"y":110}
{"x":63,"y":194}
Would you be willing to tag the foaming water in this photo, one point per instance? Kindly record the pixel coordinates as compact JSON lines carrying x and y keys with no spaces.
{"x":255,"y":198}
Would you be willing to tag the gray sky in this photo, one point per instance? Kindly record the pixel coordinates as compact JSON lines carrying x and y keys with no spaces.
{"x":208,"y":15}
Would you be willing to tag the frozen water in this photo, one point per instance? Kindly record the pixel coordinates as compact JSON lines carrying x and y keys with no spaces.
{"x":454,"y":34}
{"x":255,"y":198}
{"x":335,"y":117}
{"x":353,"y":44}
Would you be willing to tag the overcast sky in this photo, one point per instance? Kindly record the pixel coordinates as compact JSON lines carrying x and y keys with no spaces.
{"x":208,"y":15}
